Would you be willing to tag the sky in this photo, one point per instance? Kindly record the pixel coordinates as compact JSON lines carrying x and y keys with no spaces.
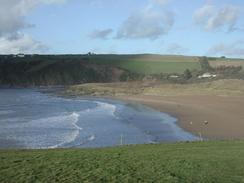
{"x":182,"y":27}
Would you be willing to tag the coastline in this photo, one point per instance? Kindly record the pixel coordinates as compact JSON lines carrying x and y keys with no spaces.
{"x":60,"y":122}
{"x":213,"y":109}
{"x":212,"y":117}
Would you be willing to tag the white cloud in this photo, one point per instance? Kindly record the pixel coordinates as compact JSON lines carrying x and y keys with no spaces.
{"x":13,"y":12}
{"x":176,"y":48}
{"x":203,"y":14}
{"x":235,"y":49}
{"x":23,"y":43}
{"x":148,"y":23}
{"x":12,"y":16}
{"x":212,"y":18}
{"x":151,"y":22}
{"x":101,"y":34}
{"x":12,"y":22}
{"x":161,"y":2}
{"x":53,"y":1}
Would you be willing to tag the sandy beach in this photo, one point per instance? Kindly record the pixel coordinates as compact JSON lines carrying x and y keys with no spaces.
{"x":215,"y":117}
{"x":214,"y":109}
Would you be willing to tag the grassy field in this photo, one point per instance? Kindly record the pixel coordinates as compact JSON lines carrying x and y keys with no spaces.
{"x":149,"y":64}
{"x":144,"y":67}
{"x":154,"y":64}
{"x":147,"y":58}
{"x":221,"y":162}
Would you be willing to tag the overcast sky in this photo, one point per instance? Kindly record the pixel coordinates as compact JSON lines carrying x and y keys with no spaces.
{"x":189,"y":27}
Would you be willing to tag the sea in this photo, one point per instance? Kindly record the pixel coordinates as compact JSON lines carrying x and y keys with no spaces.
{"x":33,"y":119}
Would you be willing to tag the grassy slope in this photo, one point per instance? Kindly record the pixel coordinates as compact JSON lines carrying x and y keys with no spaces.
{"x":149,"y":64}
{"x":224,"y":87}
{"x":154,"y":64}
{"x":145,"y":67}
{"x":180,"y":162}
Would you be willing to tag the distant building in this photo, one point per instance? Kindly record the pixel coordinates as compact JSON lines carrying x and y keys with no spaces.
{"x":174,"y":76}
{"x":90,"y":53}
{"x":20,"y":55}
{"x":207,"y":75}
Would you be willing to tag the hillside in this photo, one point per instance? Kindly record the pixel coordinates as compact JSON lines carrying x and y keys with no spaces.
{"x":54,"y":71}
{"x":33,"y":70}
{"x":181,"y":162}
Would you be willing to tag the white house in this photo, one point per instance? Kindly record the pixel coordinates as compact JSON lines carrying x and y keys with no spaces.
{"x":20,"y":55}
{"x":207,"y":75}
{"x":174,"y":76}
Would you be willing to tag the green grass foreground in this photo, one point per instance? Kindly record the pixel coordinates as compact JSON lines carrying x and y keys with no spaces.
{"x":180,"y":162}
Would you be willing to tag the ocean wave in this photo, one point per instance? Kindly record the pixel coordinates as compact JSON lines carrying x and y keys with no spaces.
{"x":91,"y":138}
{"x":64,"y":120}
{"x":102,"y":107}
{"x":73,"y":118}
{"x":10,"y":120}
{"x":50,"y":132}
{"x":110,"y":108}
{"x":177,"y":132}
{"x":4,"y":112}
{"x":86,"y":140}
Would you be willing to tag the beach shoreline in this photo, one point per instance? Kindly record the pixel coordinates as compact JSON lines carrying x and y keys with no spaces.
{"x":211,"y":109}
{"x":212,"y":117}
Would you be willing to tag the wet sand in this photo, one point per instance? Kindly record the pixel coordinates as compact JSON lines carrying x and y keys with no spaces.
{"x":215,"y":117}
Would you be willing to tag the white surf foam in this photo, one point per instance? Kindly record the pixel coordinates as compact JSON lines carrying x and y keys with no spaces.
{"x":75,"y":116}
{"x":176,"y":130}
{"x":73,"y":119}
{"x":91,"y":138}
{"x":86,"y":140}
{"x":50,"y":132}
{"x":110,"y":108}
{"x":102,"y":107}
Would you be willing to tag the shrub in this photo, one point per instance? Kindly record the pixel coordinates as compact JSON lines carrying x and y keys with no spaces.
{"x":205,"y":66}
